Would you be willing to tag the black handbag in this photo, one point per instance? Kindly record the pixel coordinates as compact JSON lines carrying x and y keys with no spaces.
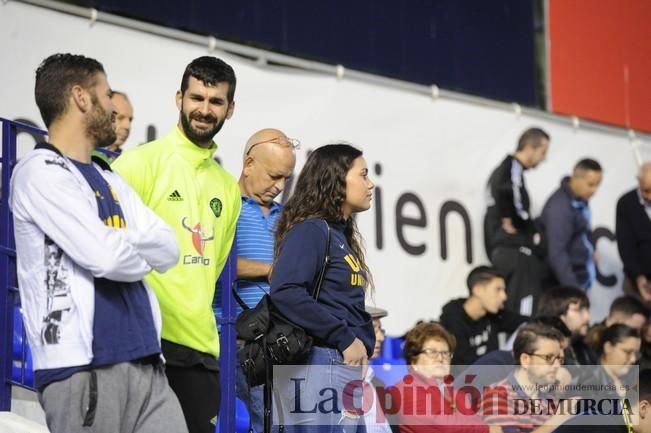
{"x":268,"y":338}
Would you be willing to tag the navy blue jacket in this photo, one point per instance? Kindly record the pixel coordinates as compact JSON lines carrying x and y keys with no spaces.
{"x":564,"y":227}
{"x":338,"y":316}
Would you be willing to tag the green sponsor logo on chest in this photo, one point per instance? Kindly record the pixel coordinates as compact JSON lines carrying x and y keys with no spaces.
{"x":216,"y":206}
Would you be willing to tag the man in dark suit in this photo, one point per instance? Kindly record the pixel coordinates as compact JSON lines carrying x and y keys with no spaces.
{"x":633,"y":228}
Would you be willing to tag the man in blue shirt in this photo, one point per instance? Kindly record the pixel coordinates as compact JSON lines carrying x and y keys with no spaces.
{"x":269,"y":159}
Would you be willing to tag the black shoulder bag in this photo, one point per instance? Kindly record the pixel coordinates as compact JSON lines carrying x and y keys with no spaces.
{"x":268,"y":338}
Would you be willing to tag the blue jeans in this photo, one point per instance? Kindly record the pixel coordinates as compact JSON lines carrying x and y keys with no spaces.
{"x":319,"y":396}
{"x":253,"y":398}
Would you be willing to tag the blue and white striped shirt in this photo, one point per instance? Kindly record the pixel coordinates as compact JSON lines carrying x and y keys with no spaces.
{"x":255,"y":241}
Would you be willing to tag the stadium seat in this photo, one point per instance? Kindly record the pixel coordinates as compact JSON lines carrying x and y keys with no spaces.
{"x":17,"y":362}
{"x":241,"y":418}
{"x":392,"y":347}
{"x":389,"y":371}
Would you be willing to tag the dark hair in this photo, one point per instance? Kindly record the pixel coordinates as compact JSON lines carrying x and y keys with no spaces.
{"x":555,"y":301}
{"x":532,"y":137}
{"x":417,"y":336}
{"x":320,"y":193}
{"x":527,"y":339}
{"x":482,"y":275}
{"x":614,"y":334}
{"x":628,"y":306}
{"x":554,"y":322}
{"x":55,"y":77}
{"x":586,"y":164}
{"x":635,"y":394}
{"x":645,"y":385}
{"x":210,"y":71}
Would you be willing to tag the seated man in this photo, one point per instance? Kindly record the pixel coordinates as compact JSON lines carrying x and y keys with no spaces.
{"x":477,"y":320}
{"x":537,"y":352}
{"x":628,"y":311}
{"x":496,"y":365}
{"x":572,"y":306}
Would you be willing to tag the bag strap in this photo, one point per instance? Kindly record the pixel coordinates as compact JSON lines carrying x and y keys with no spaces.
{"x":326,"y":261}
{"x":317,"y":286}
{"x":237,"y":297}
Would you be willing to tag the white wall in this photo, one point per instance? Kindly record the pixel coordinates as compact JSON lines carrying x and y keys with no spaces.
{"x":438,"y":150}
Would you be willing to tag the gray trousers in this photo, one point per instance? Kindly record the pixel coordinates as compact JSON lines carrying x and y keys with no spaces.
{"x":123,"y":398}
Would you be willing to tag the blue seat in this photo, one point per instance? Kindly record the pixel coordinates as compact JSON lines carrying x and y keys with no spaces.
{"x":389,"y":371}
{"x":392,"y":347}
{"x":18,"y":363}
{"x":241,"y":418}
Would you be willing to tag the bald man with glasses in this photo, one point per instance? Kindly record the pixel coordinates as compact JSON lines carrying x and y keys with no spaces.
{"x":268,"y":162}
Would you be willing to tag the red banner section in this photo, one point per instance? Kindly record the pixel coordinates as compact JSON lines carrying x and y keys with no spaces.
{"x":600,"y":60}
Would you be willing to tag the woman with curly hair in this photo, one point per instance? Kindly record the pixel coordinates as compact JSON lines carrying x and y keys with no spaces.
{"x":332,"y":187}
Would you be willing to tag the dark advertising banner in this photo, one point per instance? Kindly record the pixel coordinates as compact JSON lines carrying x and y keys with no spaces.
{"x":471,"y":46}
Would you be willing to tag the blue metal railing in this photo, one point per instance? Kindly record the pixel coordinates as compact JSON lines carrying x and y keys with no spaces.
{"x":9,"y":299}
{"x":11,"y":359}
{"x":227,"y":337}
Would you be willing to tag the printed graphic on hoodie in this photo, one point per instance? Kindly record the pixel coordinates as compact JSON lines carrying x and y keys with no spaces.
{"x":59,"y":301}
{"x":356,"y":277}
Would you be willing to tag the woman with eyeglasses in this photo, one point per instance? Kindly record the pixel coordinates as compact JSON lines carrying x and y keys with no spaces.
{"x":428,"y":402}
{"x":618,"y":350}
{"x":317,"y":221}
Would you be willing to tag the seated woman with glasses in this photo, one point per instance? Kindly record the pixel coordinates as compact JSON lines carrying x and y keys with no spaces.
{"x":427,"y":400}
{"x":618,"y":349}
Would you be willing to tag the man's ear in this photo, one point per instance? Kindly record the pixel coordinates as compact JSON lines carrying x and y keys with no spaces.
{"x":644,"y":409}
{"x":179,"y":99}
{"x":247,"y":165}
{"x":80,"y":98}
{"x":476,"y":288}
{"x":231,"y":108}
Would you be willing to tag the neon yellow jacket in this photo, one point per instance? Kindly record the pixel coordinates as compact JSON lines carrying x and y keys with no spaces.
{"x":201,"y":201}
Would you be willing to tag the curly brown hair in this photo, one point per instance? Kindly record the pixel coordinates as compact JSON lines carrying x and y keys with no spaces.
{"x":421,"y":333}
{"x":320,"y":193}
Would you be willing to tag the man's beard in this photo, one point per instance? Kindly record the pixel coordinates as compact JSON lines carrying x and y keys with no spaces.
{"x":543,"y":381}
{"x":99,"y":124}
{"x":198,"y":136}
